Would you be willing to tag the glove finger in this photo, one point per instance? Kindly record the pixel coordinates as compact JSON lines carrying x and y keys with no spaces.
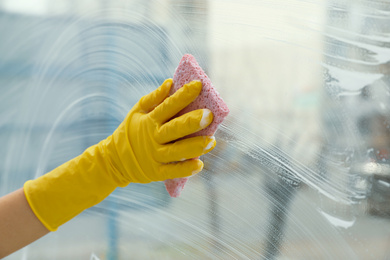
{"x":185,"y":149}
{"x":184,"y":125}
{"x":181,"y":169}
{"x":179,"y":100}
{"x":154,"y":98}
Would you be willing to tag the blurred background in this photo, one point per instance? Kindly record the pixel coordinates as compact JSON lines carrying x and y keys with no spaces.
{"x":301,"y":168}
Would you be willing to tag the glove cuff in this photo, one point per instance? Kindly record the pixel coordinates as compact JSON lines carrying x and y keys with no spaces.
{"x":66,"y":191}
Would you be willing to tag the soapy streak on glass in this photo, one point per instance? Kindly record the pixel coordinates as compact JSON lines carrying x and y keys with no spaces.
{"x":300,"y":166}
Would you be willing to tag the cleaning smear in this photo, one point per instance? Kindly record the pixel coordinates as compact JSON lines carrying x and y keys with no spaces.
{"x":187,"y":71}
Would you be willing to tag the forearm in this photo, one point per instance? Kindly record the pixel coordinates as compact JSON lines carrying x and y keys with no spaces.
{"x":51,"y":200}
{"x":18,"y":224}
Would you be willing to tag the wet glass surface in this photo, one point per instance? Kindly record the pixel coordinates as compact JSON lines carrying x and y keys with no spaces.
{"x":301,"y":168}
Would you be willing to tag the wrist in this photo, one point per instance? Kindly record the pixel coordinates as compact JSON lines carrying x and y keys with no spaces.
{"x":119,"y":154}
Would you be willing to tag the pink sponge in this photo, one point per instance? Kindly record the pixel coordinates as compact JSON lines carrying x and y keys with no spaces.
{"x":187,"y":71}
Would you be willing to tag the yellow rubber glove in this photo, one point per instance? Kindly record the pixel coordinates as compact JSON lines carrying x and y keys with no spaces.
{"x":147,"y":146}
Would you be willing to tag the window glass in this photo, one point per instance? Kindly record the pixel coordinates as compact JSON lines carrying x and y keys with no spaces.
{"x":301,"y":167}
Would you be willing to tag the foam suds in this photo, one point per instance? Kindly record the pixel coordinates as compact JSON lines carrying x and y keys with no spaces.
{"x":205,"y":118}
{"x":337,"y":222}
{"x":210,"y":144}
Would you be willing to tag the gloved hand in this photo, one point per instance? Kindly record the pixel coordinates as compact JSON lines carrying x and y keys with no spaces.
{"x":147,"y":146}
